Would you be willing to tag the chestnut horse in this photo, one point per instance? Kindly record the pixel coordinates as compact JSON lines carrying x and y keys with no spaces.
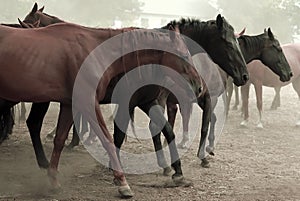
{"x":50,"y":58}
{"x":262,"y":76}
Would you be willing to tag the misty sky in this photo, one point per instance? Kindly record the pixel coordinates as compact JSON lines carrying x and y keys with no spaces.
{"x":172,"y":7}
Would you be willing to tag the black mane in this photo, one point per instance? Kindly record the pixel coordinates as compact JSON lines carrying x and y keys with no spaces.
{"x":188,"y":23}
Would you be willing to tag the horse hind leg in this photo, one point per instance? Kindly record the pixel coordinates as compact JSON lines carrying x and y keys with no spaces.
{"x":65,"y":120}
{"x":107,"y":142}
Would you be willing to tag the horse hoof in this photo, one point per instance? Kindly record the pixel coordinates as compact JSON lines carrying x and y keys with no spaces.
{"x":182,"y":145}
{"x":125,"y":191}
{"x":205,"y":163}
{"x":244,"y":124}
{"x":260,"y":126}
{"x":167,"y":171}
{"x":181,"y":181}
{"x":210,"y":150}
{"x":177,"y":178}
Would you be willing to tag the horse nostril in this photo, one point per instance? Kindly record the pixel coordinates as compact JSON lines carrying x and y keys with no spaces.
{"x":245,"y":77}
{"x":291,"y":74}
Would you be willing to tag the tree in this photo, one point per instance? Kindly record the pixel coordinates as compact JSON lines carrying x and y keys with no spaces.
{"x":255,"y":15}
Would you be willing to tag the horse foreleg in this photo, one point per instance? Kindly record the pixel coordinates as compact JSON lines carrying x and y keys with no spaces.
{"x":229,"y":91}
{"x":237,"y":98}
{"x":157,"y":117}
{"x":186,"y":114}
{"x":296,"y":86}
{"x":34,"y":123}
{"x":258,"y":92}
{"x":205,"y":104}
{"x":245,"y":103}
{"x":65,"y":120}
{"x":276,"y":100}
{"x":160,"y":156}
{"x":171,"y":112}
{"x":211,"y":137}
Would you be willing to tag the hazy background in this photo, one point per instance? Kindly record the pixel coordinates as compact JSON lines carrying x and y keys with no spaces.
{"x":256,"y":15}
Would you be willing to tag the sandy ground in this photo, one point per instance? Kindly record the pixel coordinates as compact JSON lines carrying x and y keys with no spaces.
{"x":250,"y":164}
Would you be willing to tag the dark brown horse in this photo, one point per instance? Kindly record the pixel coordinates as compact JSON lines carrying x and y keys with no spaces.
{"x":262,"y":76}
{"x":50,"y":70}
{"x":263,"y":47}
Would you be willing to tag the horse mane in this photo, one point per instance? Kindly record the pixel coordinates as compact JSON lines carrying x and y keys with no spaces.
{"x":253,"y":42}
{"x":186,"y":23}
{"x":53,"y":18}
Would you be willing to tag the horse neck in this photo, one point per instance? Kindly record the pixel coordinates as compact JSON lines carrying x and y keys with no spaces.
{"x":48,"y":19}
{"x":251,"y":47}
{"x":196,"y":33}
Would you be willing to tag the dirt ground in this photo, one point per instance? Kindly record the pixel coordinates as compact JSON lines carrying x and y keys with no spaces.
{"x":250,"y":164}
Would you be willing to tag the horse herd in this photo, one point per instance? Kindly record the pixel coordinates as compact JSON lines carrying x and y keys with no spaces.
{"x":46,"y":55}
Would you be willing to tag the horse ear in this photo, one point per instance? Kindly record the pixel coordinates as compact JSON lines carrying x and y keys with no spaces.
{"x":270,"y":34}
{"x":240,"y":34}
{"x":172,"y":35}
{"x":23,"y":24}
{"x":219,"y":22}
{"x":243,"y":31}
{"x":42,"y":9}
{"x":35,"y":8}
{"x":171,"y":27}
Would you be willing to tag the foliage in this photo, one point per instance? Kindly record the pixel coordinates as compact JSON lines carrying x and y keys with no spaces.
{"x":281,"y":15}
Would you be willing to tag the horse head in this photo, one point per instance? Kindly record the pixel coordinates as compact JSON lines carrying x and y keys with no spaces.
{"x":36,"y":15}
{"x":273,"y":56}
{"x":217,"y":38}
{"x":224,"y":50}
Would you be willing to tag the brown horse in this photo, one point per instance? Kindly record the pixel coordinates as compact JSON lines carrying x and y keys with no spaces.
{"x":262,"y":76}
{"x":50,"y":70}
{"x":210,"y":34}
